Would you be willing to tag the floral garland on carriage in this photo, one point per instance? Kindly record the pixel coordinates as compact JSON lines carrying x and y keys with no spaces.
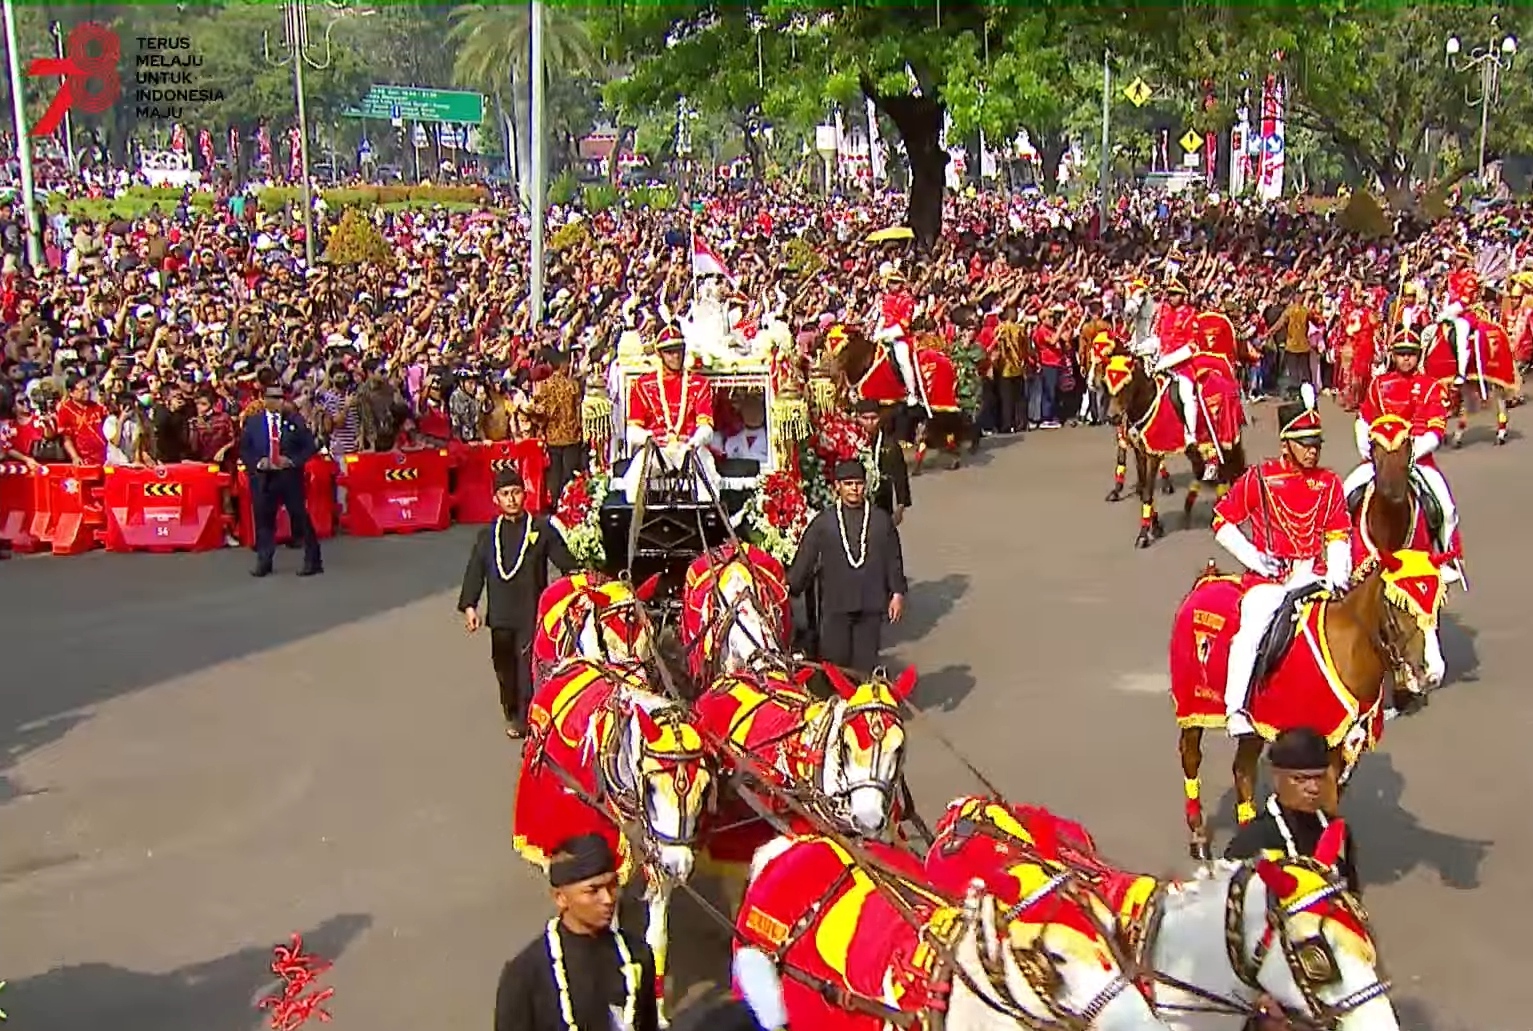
{"x":577,"y":517}
{"x":777,"y":514}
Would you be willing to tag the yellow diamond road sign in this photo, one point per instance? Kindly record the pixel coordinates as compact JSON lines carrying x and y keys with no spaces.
{"x":1138,"y":92}
{"x":1191,"y":142}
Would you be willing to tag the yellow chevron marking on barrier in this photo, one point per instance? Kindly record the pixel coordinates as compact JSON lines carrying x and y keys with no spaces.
{"x":162,"y":490}
{"x":397,"y":475}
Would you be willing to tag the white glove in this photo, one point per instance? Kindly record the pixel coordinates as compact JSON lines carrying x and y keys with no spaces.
{"x":1451,"y":311}
{"x":1338,"y":564}
{"x":1246,"y":553}
{"x":1364,"y":444}
{"x":637,"y":435}
{"x":1424,"y":445}
{"x":701,"y":437}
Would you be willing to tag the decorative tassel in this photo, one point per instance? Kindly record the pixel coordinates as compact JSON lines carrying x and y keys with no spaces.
{"x":596,"y":411}
{"x":822,"y":394}
{"x":297,"y":998}
{"x":1245,"y":812}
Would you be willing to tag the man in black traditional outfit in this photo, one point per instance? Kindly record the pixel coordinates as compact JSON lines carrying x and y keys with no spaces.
{"x":581,"y":974}
{"x":1295,"y":817}
{"x":511,"y":557}
{"x":891,"y":476}
{"x":852,"y":549}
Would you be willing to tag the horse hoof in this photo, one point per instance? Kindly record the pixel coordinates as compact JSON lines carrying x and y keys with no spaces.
{"x":1168,"y":488}
{"x":1144,"y":540}
{"x":1116,"y":494}
{"x":1199,"y":852}
{"x":1458,"y":441}
{"x":1157,"y":528}
{"x":1500,"y":439}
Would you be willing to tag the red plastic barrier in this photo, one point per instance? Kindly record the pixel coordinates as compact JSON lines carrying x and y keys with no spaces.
{"x":164,"y":508}
{"x":18,"y":505}
{"x":66,"y":507}
{"x":396,"y":492}
{"x":474,"y":501}
{"x":318,"y":496}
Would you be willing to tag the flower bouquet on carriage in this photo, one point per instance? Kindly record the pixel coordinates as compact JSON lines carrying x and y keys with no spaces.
{"x":577,"y":517}
{"x":777,"y":514}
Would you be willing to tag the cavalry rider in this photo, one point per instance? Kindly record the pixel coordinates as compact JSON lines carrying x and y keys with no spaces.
{"x":672,"y":408}
{"x":1298,"y":516}
{"x":1410,"y":394}
{"x":1463,"y":291}
{"x":896,"y":310}
{"x":1177,"y":341}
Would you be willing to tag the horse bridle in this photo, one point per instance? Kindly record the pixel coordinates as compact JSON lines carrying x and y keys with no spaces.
{"x":687,"y":826}
{"x":840,"y":799}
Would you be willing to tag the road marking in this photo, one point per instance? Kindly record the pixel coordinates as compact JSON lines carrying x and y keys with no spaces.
{"x":1143,"y":683}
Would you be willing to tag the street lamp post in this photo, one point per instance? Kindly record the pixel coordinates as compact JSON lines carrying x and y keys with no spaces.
{"x":23,"y":142}
{"x":1490,"y":61}
{"x":537,"y":60}
{"x":301,"y":52}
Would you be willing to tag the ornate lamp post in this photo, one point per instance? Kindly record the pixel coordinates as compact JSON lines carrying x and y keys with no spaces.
{"x":1490,"y":61}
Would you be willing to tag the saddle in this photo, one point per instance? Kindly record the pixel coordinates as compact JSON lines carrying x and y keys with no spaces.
{"x":1279,"y":634}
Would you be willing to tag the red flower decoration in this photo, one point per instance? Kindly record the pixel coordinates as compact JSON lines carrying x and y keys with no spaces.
{"x":299,"y":998}
{"x":575,"y":502}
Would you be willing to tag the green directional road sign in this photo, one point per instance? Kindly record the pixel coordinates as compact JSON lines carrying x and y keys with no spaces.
{"x":417,"y":104}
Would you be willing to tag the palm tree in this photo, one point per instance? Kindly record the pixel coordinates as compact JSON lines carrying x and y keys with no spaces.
{"x":494,"y":50}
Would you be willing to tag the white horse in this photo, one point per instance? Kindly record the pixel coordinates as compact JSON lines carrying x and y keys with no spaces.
{"x":609,"y":753}
{"x":1303,"y":941}
{"x":1002,"y":968}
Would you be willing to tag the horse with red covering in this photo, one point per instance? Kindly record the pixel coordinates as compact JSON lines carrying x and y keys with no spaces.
{"x":594,"y":616}
{"x":1324,"y":669}
{"x":734,"y":608}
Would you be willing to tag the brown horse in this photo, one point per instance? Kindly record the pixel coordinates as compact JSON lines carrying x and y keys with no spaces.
{"x":864,"y":370}
{"x":1329,"y":676}
{"x":1120,"y":469}
{"x":1387,"y":516}
{"x":1135,"y":396}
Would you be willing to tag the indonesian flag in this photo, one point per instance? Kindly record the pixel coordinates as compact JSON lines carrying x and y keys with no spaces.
{"x":234,"y":147}
{"x":707,"y":263}
{"x":178,"y":138}
{"x":295,"y":154}
{"x":205,"y":146}
{"x":263,"y":148}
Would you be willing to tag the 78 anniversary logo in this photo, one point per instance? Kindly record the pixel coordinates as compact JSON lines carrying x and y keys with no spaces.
{"x":92,"y":79}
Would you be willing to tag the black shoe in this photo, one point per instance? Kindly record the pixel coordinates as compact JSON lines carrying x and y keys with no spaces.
{"x":311,"y":570}
{"x":261,"y":571}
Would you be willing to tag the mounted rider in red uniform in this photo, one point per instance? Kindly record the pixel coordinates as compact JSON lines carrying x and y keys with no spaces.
{"x":1300,"y":536}
{"x":896,"y":311}
{"x":1410,"y":394}
{"x":1463,"y":293}
{"x":1183,"y":348}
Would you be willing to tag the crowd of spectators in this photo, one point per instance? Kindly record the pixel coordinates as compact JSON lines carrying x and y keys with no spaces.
{"x":144,"y":340}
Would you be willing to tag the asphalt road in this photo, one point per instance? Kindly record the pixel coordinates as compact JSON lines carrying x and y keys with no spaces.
{"x":196,"y":764}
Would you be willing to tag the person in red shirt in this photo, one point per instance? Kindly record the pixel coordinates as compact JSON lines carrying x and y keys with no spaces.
{"x":1043,"y":389}
{"x":79,"y":422}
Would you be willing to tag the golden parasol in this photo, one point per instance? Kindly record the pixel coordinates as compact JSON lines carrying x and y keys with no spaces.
{"x":892,"y":233}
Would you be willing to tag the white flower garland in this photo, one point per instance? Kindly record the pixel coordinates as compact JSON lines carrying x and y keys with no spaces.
{"x":562,"y":977}
{"x":521,"y":555}
{"x":1288,"y":842}
{"x":846,"y":545}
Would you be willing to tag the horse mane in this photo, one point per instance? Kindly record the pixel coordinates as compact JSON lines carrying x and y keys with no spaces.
{"x":856,"y":354}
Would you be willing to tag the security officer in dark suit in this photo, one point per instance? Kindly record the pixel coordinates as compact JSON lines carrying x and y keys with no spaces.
{"x":511,"y":557}
{"x":891,"y":491}
{"x":851,"y":551}
{"x":1295,"y":817}
{"x":274,"y":446}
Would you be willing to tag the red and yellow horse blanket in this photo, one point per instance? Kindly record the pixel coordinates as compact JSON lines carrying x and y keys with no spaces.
{"x":856,"y":940}
{"x":568,"y":603}
{"x":1491,"y":360}
{"x":711,"y":578}
{"x":574,"y":727}
{"x":939,"y":379}
{"x":1161,"y":430}
{"x":1419,"y":538}
{"x":1302,"y":690}
{"x":1016,"y":849}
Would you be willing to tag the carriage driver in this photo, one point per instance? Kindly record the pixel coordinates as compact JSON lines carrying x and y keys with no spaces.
{"x":673,"y":408}
{"x":1411,"y":395}
{"x":1298,"y":517}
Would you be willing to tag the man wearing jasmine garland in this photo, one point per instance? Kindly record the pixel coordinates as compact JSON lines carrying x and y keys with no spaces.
{"x":511,"y":556}
{"x":852,"y":551}
{"x":581,"y":973}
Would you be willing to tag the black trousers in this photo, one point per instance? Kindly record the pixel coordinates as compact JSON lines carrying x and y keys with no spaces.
{"x":1011,"y":415}
{"x":851,"y":639}
{"x":283,"y":488}
{"x":564,"y":461}
{"x":510,"y":654}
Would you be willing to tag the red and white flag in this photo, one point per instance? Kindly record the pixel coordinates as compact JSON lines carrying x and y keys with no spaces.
{"x":205,"y":146}
{"x":177,"y":138}
{"x":705,"y":262}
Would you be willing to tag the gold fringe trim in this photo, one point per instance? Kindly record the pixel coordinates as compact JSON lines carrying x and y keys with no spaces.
{"x":822,"y":394}
{"x":790,"y":418}
{"x":596,"y":418}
